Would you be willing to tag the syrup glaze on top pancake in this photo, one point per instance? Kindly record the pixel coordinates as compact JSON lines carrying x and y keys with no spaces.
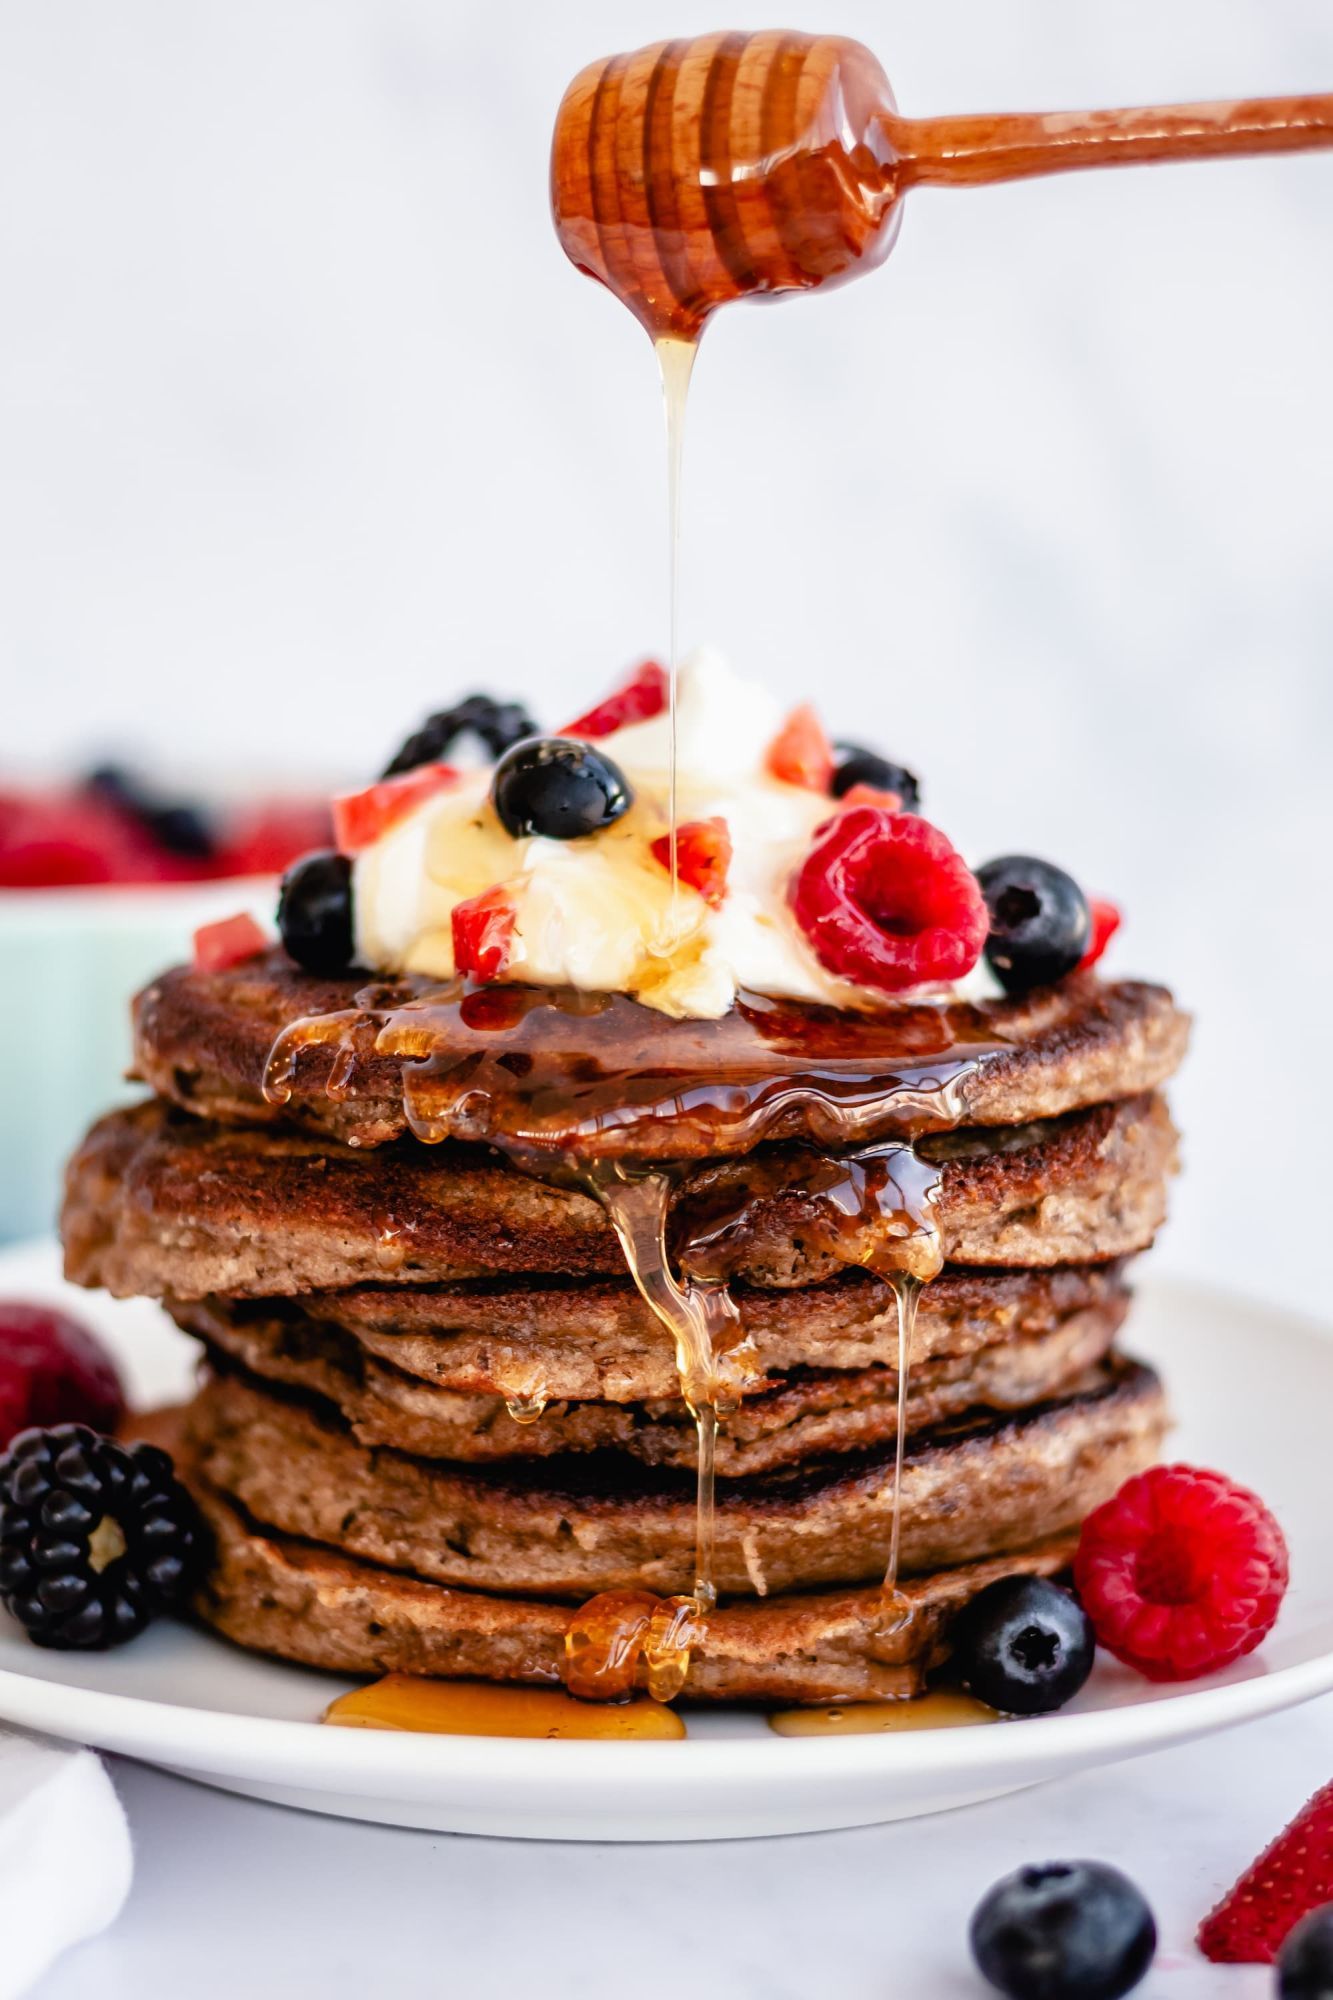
{"x":542,"y":1070}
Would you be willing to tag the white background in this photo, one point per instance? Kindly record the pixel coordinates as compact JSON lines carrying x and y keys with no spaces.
{"x":306,"y":425}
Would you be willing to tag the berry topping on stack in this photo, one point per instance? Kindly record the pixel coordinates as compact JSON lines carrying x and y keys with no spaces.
{"x":887,"y":903}
{"x":557,"y":789}
{"x":495,"y":725}
{"x":1040,"y":924}
{"x":315,"y":911}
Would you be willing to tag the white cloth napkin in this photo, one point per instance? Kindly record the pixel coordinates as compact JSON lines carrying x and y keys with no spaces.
{"x":65,"y":1857}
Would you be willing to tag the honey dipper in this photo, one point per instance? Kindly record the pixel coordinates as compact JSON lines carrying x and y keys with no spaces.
{"x":698,"y":171}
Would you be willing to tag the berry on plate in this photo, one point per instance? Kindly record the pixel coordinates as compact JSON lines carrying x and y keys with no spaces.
{"x":315,"y":911}
{"x":95,"y":1537}
{"x":857,"y":767}
{"x":1106,"y":921}
{"x":1290,"y":1879}
{"x":1023,"y":1645}
{"x":53,"y":1370}
{"x":1181,"y":1573}
{"x":265,"y":839}
{"x":886,"y":901}
{"x":1039,"y":921}
{"x":483,"y":929}
{"x":558,"y":789}
{"x":645,"y":694}
{"x":703,"y":856}
{"x":1305,"y":1962}
{"x":497,"y":726}
{"x":359,"y":818}
{"x":229,"y":941}
{"x":800,"y":753}
{"x":1071,"y":1930}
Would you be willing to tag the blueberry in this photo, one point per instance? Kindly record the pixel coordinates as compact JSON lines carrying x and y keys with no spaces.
{"x":558,"y":788}
{"x":315,"y":911}
{"x":858,"y":766}
{"x":1023,"y":1645}
{"x":1039,"y":921}
{"x":1072,"y":1930}
{"x":1305,"y":1962}
{"x":497,"y":726}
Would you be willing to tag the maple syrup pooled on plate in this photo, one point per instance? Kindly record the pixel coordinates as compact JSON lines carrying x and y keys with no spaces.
{"x":486,"y":1708}
{"x":944,"y":1708}
{"x":698,"y":171}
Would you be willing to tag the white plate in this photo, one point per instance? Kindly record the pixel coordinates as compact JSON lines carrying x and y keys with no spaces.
{"x":1255,"y":1392}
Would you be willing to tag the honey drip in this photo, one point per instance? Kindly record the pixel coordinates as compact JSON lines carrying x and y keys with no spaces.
{"x":944,"y":1709}
{"x":481,"y":1708}
{"x":526,"y":1409}
{"x":610,"y":1637}
{"x":675,"y":359}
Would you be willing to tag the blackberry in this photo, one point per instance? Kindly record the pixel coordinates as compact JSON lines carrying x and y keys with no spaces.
{"x":497,"y":726}
{"x":95,"y":1537}
{"x":177,"y":828}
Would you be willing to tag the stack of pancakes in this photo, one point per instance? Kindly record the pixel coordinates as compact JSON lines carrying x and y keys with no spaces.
{"x":437,"y":1416}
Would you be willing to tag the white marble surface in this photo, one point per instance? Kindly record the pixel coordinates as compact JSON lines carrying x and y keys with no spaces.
{"x":236,"y":1898}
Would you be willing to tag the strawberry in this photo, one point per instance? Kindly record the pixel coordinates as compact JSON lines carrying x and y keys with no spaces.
{"x":483,"y":934}
{"x":644,"y":695}
{"x":359,"y":818}
{"x":1290,"y":1878}
{"x":228,"y":942}
{"x":870,"y":795}
{"x":800,"y":753}
{"x":1106,"y":921}
{"x":703,"y":856}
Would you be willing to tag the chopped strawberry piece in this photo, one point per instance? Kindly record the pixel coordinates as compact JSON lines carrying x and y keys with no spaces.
{"x":1292,"y":1877}
{"x":228,"y":942}
{"x":644,"y":695}
{"x":1181,"y":1573}
{"x":870,"y":795}
{"x":886,"y":901}
{"x":800,"y":753}
{"x":359,"y":818}
{"x":1106,"y":921}
{"x":703,"y":856}
{"x":483,"y":934}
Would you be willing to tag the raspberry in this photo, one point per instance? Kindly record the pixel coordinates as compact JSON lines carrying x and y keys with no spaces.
{"x":359,"y":818}
{"x":801,"y":754}
{"x":1181,"y":1573}
{"x":228,"y":942}
{"x":1290,"y":1878}
{"x":1106,"y":921}
{"x":483,"y":930}
{"x":885,"y":901}
{"x":52,"y":1370}
{"x":703,"y":856}
{"x":644,"y":695}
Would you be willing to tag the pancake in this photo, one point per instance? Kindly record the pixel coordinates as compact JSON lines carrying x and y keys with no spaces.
{"x":807,"y":1413}
{"x":160,"y":1204}
{"x":202,"y":1041}
{"x":573,"y":1527}
{"x":274,"y":1594}
{"x":597,"y":1339}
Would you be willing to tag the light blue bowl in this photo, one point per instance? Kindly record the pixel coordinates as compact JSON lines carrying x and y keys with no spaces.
{"x":71,"y":960}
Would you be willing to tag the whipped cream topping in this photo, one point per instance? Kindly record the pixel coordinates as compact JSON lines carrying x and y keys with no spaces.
{"x":597,"y":913}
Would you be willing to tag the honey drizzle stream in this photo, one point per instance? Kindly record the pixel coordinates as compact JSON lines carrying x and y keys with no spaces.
{"x":675,"y":359}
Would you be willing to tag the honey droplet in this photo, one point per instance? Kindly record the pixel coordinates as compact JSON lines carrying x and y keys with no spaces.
{"x":945,"y":1709}
{"x":481,"y":1708}
{"x":526,"y":1409}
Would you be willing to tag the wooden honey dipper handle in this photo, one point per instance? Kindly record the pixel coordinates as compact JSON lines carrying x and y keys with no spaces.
{"x":695,"y":172}
{"x":972,"y":151}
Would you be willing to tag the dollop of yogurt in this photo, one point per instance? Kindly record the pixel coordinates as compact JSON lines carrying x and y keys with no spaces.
{"x":598,"y":913}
